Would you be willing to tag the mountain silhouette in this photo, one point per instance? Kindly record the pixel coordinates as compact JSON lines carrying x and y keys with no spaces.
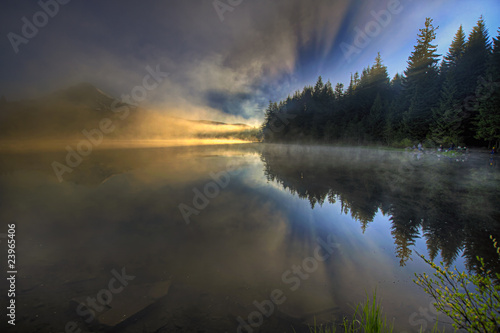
{"x":65,"y":113}
{"x":82,"y":94}
{"x":60,"y":114}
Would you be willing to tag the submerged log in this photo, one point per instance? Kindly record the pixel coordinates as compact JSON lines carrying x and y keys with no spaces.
{"x":131,"y":301}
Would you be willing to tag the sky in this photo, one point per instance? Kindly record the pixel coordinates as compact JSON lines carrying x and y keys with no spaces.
{"x":223,"y":59}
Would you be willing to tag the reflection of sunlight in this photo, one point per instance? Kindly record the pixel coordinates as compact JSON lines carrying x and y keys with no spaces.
{"x":59,"y":145}
{"x":168,"y":143}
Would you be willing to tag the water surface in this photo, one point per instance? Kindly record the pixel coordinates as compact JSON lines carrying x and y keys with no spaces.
{"x":210,"y":236}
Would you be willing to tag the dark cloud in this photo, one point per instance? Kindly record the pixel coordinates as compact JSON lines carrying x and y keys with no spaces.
{"x":261,"y":50}
{"x":228,"y":103}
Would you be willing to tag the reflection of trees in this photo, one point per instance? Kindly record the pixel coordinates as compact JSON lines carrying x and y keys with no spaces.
{"x":453,"y":204}
{"x":406,"y":220}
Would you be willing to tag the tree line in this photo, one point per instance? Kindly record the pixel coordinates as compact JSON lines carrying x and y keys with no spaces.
{"x":455,"y":100}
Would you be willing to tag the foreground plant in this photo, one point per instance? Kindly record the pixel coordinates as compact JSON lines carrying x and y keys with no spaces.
{"x":471,"y":301}
{"x":367,"y":318}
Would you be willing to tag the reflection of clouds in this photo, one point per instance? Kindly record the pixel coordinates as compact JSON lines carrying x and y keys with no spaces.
{"x":414,"y":196}
{"x":80,"y":232}
{"x":72,"y":234}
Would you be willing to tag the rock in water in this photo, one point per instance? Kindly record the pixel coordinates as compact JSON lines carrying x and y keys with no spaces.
{"x":128,"y":303}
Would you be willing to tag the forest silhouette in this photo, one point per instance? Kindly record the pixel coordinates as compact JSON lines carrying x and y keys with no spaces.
{"x":453,"y":101}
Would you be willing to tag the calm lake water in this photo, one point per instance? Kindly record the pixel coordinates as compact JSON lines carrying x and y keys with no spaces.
{"x":239,"y":238}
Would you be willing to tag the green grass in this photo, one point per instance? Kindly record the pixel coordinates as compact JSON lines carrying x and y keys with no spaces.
{"x":368,"y":318}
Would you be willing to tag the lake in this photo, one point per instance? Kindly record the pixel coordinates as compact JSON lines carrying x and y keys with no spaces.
{"x":239,"y":238}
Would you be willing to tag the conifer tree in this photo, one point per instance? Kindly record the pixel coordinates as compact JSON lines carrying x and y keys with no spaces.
{"x":420,"y":83}
{"x":455,"y":53}
{"x":378,"y":73}
{"x":476,"y":61}
{"x":476,"y":55}
{"x":487,"y":103}
{"x":494,"y":69}
{"x":447,"y":126}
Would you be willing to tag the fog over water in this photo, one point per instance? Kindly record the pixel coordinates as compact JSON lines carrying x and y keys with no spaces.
{"x":208,"y":231}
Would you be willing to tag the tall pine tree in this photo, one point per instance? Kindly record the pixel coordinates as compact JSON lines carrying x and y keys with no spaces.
{"x":452,"y":60}
{"x":476,"y":60}
{"x":487,"y":104}
{"x":421,"y":78}
{"x":476,"y":55}
{"x":447,"y":126}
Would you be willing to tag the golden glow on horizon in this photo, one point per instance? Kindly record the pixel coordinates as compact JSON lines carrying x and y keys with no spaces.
{"x":59,"y":145}
{"x":169,"y":143}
